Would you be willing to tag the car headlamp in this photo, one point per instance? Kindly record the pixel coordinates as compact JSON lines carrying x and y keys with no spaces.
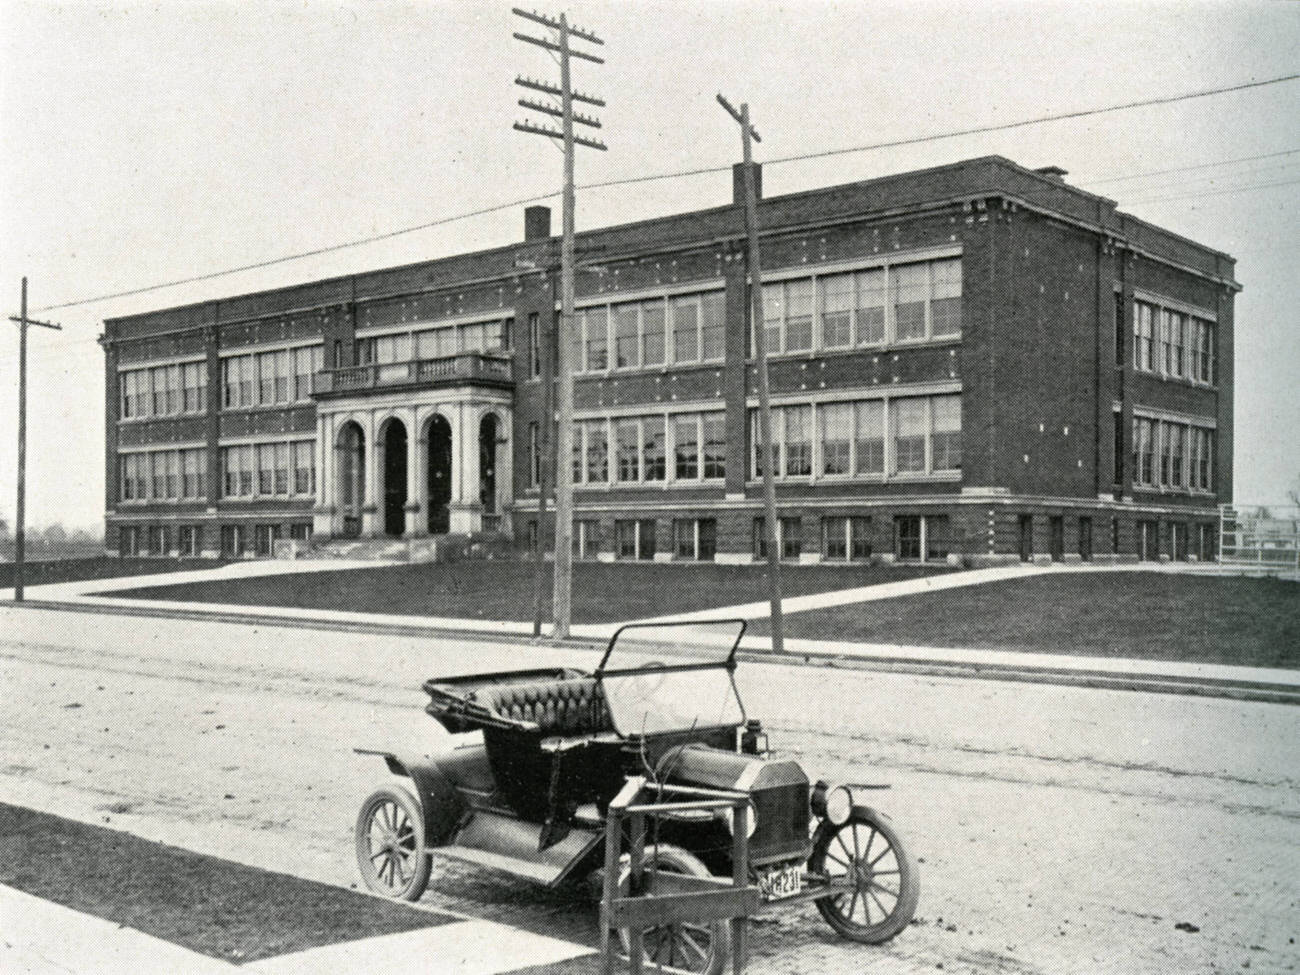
{"x":839,"y":805}
{"x":751,"y":821}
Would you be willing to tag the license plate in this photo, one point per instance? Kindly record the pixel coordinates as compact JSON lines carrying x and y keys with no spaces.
{"x":782,"y":882}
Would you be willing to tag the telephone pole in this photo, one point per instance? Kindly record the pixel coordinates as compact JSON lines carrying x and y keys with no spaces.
{"x":19,"y":531}
{"x":564,"y":33}
{"x":747,"y":134}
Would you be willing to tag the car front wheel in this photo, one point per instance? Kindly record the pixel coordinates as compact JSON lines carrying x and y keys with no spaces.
{"x":390,"y":844}
{"x":866,"y":853}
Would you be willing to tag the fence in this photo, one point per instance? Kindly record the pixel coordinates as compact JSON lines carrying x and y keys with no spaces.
{"x":671,"y":898}
{"x":1264,"y":540}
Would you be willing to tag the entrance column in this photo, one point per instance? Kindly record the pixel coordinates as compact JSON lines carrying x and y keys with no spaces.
{"x":466,"y":511}
{"x":420,"y":455}
{"x":505,"y":468}
{"x":413,"y":522}
{"x":322,"y":522}
{"x":371,"y":524}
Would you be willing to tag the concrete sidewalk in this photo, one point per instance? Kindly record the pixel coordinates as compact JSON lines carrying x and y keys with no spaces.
{"x":1272,"y":683}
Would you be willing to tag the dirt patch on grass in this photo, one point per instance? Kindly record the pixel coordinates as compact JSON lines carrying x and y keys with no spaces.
{"x":212,"y":906}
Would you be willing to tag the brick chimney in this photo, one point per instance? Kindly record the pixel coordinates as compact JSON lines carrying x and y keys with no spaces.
{"x":537,"y":223}
{"x":738,"y":183}
{"x":1055,"y":173}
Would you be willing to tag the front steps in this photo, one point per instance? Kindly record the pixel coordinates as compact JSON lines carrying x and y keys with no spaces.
{"x":432,"y":548}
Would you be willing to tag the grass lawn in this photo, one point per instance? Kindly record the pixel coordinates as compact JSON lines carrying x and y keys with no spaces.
{"x":98,"y":567}
{"x":1148,"y":615}
{"x":503,"y":590}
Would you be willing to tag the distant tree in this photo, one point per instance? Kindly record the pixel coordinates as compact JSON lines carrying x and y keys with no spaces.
{"x":55,"y":534}
{"x":1293,"y":494}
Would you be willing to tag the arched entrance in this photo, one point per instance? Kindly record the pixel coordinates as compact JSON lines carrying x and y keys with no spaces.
{"x":487,"y":464}
{"x":439,"y":475}
{"x":350,"y":476}
{"x":393,"y":437}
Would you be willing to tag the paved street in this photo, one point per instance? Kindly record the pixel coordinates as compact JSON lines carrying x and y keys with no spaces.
{"x":1060,"y":829}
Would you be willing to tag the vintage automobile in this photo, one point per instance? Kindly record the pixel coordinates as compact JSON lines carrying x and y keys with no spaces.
{"x":557,"y":746}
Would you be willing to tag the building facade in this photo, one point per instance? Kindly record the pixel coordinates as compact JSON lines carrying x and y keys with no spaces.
{"x":975,"y":362}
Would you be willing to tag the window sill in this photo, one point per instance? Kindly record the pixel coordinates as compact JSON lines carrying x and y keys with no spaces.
{"x":713,"y":482}
{"x":130,"y":420}
{"x":616,"y":371}
{"x":266,"y":408}
{"x":836,"y":479}
{"x":257,"y":499}
{"x":1181,"y":380}
{"x":844,"y":350}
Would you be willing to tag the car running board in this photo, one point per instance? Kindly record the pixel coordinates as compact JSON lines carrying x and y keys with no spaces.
{"x":506,"y":843}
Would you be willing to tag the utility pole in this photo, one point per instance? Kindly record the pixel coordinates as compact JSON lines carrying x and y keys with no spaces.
{"x":19,"y":531}
{"x":562,"y":595}
{"x":748,"y":133}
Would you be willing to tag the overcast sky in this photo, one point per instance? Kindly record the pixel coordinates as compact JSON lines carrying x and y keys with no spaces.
{"x":145,"y":143}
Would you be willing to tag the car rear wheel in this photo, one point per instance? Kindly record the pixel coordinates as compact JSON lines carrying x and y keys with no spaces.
{"x":867,"y":853}
{"x":689,"y":947}
{"x":390,"y":844}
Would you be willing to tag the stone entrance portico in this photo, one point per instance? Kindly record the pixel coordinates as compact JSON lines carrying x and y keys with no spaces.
{"x":412,"y":463}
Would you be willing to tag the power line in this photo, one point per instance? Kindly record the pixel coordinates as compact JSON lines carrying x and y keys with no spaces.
{"x":1231,"y":189}
{"x":955,"y":133}
{"x":1002,"y":127}
{"x":1188,"y":169}
{"x":631,"y":180}
{"x":304,"y":254}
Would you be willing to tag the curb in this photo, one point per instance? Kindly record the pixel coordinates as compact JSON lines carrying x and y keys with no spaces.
{"x":1254,"y":691}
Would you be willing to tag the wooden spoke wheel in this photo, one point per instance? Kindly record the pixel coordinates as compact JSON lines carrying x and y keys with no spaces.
{"x":866,"y":853}
{"x":689,"y":947}
{"x":390,"y":844}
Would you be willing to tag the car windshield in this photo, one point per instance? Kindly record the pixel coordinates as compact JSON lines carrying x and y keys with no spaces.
{"x":648,"y":695}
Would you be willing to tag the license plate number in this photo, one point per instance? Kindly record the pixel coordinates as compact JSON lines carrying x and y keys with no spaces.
{"x":783,"y":882}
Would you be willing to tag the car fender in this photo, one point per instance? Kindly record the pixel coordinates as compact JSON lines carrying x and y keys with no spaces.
{"x":440,"y":803}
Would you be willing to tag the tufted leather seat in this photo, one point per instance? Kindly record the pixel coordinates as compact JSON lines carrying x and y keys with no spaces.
{"x":563,"y":707}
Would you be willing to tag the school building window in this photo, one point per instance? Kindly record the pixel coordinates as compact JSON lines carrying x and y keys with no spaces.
{"x":1173,"y":343}
{"x":270,"y":378}
{"x":924,"y":437}
{"x":638,"y":448}
{"x":695,"y":539}
{"x":586,"y":538}
{"x":921,"y":538}
{"x":170,"y":390}
{"x":846,"y":538}
{"x":534,"y":345}
{"x":1148,"y":539}
{"x":681,"y":329}
{"x":789,"y":537}
{"x":534,"y":455}
{"x":1169,"y":455}
{"x":163,"y":475}
{"x":913,"y":302}
{"x":635,"y":538}
{"x":279,"y":469}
